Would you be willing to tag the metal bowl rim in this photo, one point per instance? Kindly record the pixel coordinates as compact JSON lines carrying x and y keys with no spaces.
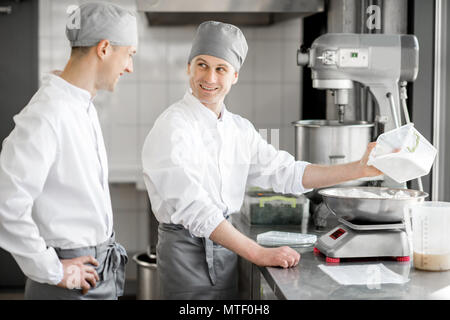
{"x":421,"y":193}
{"x":332,"y":123}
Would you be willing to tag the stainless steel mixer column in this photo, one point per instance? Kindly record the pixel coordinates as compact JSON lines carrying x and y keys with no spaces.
{"x":341,"y":100}
{"x":341,"y":113}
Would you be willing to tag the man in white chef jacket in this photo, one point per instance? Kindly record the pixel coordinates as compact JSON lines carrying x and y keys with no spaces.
{"x":198,"y":159}
{"x":55,"y":207}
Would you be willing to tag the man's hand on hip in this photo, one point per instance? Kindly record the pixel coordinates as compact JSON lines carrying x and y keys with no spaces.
{"x":79,"y":273}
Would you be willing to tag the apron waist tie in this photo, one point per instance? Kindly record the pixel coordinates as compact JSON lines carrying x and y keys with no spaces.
{"x":112,"y":265}
{"x":209,"y":251}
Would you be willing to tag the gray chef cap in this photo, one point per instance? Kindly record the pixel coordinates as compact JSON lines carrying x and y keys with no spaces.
{"x":90,"y":23}
{"x":221,"y":40}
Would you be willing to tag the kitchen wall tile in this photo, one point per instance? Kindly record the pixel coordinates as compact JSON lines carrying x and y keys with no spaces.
{"x":124,"y":104}
{"x":247,"y":71}
{"x":149,"y":33}
{"x":268,"y":105}
{"x":103,"y":102}
{"x":177,"y":91}
{"x":123,"y":152}
{"x":45,"y":56}
{"x":152,"y":101}
{"x":126,"y":4}
{"x":144,"y":130}
{"x":59,"y":17}
{"x":45,"y":16}
{"x":181,"y":33}
{"x":248,"y":32}
{"x":287,"y":139}
{"x":240,"y":100}
{"x":177,"y":56}
{"x":268,"y":61}
{"x":292,"y":29}
{"x":152,"y":60}
{"x":290,"y":107}
{"x":60,"y":53}
{"x":291,"y":71}
{"x":268,"y":33}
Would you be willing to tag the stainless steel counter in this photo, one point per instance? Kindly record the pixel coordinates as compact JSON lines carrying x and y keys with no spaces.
{"x":307,"y":281}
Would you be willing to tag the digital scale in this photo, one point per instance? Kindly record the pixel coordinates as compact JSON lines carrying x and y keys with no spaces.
{"x":350,"y":240}
{"x":372,"y":225}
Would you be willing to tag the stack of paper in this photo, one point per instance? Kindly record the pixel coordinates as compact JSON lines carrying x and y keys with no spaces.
{"x":367,"y":274}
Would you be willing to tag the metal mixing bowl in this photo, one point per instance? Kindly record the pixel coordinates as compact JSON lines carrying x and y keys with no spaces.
{"x":369,"y":210}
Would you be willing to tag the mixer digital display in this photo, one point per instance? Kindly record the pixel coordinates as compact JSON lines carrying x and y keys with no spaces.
{"x":338,"y":233}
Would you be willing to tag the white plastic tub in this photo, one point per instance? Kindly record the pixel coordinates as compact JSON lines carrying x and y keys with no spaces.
{"x":403,"y":154}
{"x":431,"y":237}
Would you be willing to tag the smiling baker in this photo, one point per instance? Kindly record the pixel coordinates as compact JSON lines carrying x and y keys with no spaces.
{"x":55,"y":208}
{"x":198,"y":159}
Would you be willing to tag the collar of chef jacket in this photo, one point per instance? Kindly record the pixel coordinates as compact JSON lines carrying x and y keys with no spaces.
{"x":75,"y":92}
{"x":204,"y":114}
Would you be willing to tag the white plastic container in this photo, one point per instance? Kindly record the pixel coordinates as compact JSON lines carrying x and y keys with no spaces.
{"x":264,"y":207}
{"x":281,"y":238}
{"x":430,"y":235}
{"x":403,"y":154}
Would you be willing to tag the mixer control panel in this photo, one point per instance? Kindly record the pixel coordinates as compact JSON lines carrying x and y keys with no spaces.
{"x":354,"y":58}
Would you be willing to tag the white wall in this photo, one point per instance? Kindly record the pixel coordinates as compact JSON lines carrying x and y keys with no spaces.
{"x":267,"y":93}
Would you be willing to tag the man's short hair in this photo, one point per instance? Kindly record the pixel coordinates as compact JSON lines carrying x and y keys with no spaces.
{"x":81,"y":51}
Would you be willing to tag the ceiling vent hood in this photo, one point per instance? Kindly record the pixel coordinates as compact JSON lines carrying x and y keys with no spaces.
{"x":238,"y":12}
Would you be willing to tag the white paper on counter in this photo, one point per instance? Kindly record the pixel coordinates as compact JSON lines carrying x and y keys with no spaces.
{"x":366,"y":274}
{"x":442,"y":294}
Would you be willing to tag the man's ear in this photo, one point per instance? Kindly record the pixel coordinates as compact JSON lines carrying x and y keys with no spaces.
{"x":103,"y":48}
{"x":188,"y":70}
{"x":236,"y":77}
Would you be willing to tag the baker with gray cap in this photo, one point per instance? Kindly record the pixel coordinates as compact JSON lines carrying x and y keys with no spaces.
{"x":55,"y":206}
{"x":197,"y":160}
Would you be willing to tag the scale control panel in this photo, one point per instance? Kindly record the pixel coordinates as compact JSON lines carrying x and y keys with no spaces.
{"x":337,"y":234}
{"x":334,"y":236}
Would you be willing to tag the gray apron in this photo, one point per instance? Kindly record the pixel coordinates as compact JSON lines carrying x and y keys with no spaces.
{"x":192,"y":268}
{"x":112,"y":258}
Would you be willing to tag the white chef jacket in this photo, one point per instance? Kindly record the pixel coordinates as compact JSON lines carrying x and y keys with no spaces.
{"x":53,"y":180}
{"x":196,"y":166}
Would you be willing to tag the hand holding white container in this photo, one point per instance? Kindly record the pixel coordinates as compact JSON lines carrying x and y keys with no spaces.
{"x":403,"y":154}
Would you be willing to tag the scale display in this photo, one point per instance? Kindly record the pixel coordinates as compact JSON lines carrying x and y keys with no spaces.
{"x":337,"y":234}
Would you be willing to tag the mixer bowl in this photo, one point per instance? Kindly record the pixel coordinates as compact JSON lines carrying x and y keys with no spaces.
{"x":366,"y":205}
